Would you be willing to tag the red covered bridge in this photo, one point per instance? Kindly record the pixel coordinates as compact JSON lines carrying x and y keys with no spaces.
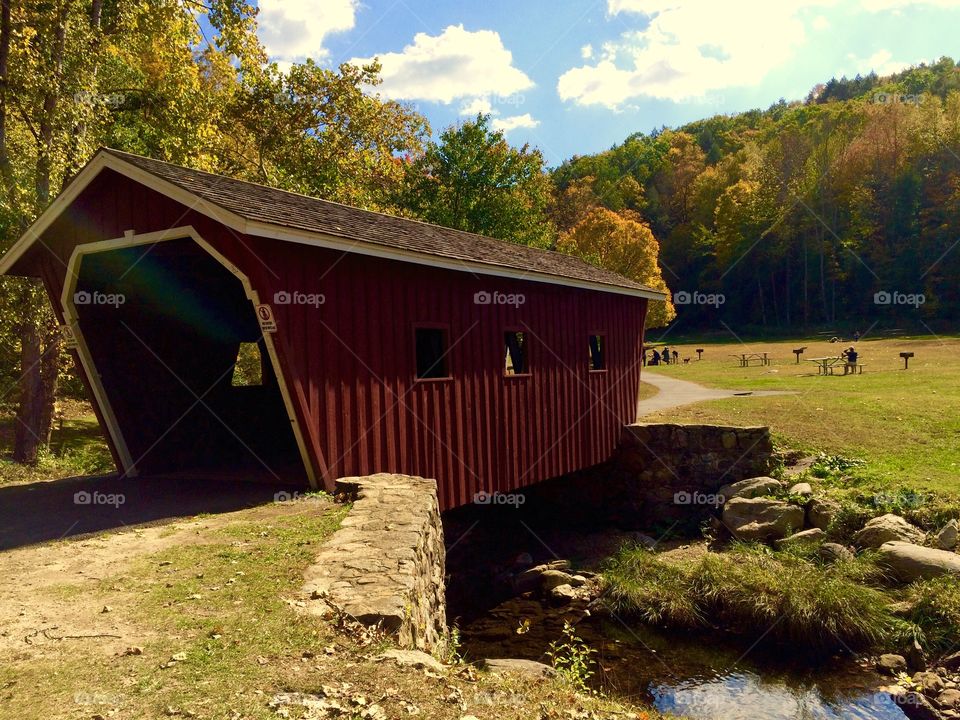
{"x":383,"y":344}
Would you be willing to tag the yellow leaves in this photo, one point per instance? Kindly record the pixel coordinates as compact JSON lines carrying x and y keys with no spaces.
{"x":623,"y":244}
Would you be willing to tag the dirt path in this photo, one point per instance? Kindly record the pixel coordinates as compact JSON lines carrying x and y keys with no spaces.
{"x":674,"y":392}
{"x":45,"y":609}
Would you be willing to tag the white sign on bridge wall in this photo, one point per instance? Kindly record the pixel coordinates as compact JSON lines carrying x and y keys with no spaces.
{"x":268,"y":322}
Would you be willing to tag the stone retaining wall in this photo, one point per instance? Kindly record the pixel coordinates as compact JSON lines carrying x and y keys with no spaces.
{"x":385,"y":565}
{"x":664,"y":471}
{"x":660,"y":473}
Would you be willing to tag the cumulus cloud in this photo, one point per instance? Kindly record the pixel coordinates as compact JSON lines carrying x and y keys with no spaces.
{"x":457,"y":64}
{"x":472,"y":68}
{"x":293,"y":30}
{"x":881,"y":62}
{"x":688,"y":48}
{"x":514,"y":122}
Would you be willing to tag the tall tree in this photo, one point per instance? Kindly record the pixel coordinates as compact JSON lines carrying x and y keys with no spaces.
{"x":473,"y":179}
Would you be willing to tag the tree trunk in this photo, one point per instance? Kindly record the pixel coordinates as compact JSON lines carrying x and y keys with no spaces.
{"x":38,"y":359}
{"x":27,"y":438}
{"x":49,"y":378}
{"x":806,"y":285}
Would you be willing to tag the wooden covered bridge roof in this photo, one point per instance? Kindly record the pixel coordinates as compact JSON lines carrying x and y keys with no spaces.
{"x":261,"y":210}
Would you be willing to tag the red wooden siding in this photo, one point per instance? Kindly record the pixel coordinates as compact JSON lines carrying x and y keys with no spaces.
{"x":350,"y":363}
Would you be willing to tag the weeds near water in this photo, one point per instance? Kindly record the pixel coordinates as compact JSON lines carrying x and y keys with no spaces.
{"x":936,"y":612}
{"x":571,"y":658}
{"x":753,"y":590}
{"x":658,"y":593}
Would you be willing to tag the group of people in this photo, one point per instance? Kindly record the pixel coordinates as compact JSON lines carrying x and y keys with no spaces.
{"x":663,"y":357}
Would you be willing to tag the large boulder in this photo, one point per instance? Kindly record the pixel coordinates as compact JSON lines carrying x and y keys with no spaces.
{"x":801,"y":488}
{"x":835,"y":552}
{"x":891,"y":664}
{"x":928,"y":681}
{"x":549,"y":579}
{"x":750,"y":488}
{"x":541,"y":576}
{"x":813,"y":536}
{"x":947,"y":538}
{"x":761,"y":519}
{"x":887,"y":528}
{"x":821,"y":512}
{"x":909,"y":562}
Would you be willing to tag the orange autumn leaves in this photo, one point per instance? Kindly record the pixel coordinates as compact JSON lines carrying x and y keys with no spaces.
{"x":622,"y":243}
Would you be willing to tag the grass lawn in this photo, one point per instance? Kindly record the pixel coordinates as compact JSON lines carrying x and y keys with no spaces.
{"x":904,"y":424}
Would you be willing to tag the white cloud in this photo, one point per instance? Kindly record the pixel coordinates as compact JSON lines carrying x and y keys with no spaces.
{"x":881,"y":62}
{"x":507,"y":124}
{"x":689,"y":48}
{"x":477,"y":106}
{"x":293,"y":30}
{"x":820,"y":23}
{"x":457,"y":64}
{"x":586,"y":52}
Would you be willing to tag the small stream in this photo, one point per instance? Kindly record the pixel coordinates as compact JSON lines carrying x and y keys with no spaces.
{"x":700,"y":676}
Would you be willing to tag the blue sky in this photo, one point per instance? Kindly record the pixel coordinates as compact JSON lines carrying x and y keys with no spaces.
{"x":576,"y":76}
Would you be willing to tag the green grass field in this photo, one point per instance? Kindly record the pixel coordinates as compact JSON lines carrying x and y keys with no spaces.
{"x":904,"y":423}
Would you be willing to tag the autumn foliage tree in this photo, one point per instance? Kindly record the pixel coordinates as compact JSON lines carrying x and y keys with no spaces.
{"x":799,"y":214}
{"x":622,"y":243}
{"x":178,"y":80}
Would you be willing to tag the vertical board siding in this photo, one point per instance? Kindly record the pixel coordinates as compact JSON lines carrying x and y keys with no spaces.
{"x":350,"y":363}
{"x":477,"y":430}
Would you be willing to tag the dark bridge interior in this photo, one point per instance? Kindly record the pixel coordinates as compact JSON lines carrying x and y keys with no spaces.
{"x":164,"y":324}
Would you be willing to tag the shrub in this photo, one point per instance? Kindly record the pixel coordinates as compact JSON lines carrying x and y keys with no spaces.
{"x":571,"y":657}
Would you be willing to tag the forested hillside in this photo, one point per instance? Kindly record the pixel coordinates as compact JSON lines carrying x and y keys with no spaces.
{"x":843,"y":209}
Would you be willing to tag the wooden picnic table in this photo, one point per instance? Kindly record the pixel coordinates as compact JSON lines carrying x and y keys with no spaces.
{"x":825,"y":365}
{"x":746,"y":358}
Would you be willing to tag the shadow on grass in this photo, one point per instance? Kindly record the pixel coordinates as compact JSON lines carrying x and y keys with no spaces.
{"x":39,"y":512}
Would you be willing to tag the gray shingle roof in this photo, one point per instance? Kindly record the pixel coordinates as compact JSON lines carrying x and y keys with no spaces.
{"x":259,"y":203}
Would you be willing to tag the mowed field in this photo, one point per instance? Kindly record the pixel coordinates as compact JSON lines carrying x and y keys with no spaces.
{"x":904,"y":423}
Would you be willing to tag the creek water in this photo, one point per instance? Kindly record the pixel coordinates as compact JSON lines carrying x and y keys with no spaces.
{"x":698,"y":676}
